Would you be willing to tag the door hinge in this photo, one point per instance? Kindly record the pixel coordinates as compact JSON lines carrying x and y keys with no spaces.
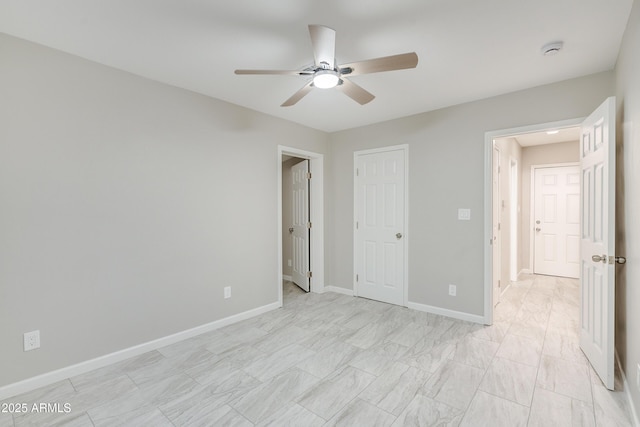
{"x":309,"y":224}
{"x":356,"y":277}
{"x":357,"y":225}
{"x":499,"y":227}
{"x":309,"y":274}
{"x":357,"y":172}
{"x":308,"y":175}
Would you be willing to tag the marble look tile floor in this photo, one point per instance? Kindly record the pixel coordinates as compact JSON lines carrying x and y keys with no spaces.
{"x":333,"y":360}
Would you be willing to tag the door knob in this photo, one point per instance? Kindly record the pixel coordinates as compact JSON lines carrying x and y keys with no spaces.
{"x":599,"y":258}
{"x":398,"y":235}
{"x":290,"y":229}
{"x":538,"y":229}
{"x":621,"y":260}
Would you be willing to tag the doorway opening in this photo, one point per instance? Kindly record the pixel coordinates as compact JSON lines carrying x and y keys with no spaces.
{"x":511,"y":158}
{"x":314,"y":230}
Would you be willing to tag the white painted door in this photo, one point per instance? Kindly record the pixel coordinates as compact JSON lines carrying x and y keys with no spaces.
{"x":301,"y":225}
{"x":380,"y":225}
{"x":597,"y":284}
{"x":496,"y":241}
{"x":556,"y":221}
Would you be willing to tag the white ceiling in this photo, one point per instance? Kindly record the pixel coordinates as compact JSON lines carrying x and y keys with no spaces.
{"x":467,"y":49}
{"x":542,"y":138}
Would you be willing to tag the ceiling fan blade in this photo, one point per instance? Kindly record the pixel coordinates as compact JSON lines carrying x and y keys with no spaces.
{"x":284,"y":72}
{"x":298,"y":95}
{"x":355,"y":92}
{"x":377,"y":65}
{"x":323,"y":40}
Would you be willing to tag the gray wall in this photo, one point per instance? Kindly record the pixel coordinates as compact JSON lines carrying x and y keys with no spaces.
{"x":628,"y":205}
{"x":127,"y":205}
{"x":446,"y":172}
{"x":562,"y":152}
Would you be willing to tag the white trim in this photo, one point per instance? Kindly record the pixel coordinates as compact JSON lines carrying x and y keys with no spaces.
{"x":446,"y":312}
{"x":625,"y":384}
{"x":514,"y":216}
{"x":524,"y":271}
{"x":287,"y":278}
{"x":532,"y":207}
{"x":488,"y":217}
{"x":405,"y":149}
{"x":48,"y":378}
{"x":339,"y":290}
{"x":316,"y":215}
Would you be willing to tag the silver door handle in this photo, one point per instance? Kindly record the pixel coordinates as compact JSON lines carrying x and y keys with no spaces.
{"x":598,"y":258}
{"x":621,"y":260}
{"x":538,"y":229}
{"x":398,"y":235}
{"x":290,"y":229}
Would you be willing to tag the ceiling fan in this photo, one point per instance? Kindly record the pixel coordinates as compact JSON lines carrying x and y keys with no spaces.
{"x":326,"y":74}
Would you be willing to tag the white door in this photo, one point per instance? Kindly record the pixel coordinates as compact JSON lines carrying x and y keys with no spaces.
{"x":301,"y":224}
{"x":597,"y":285}
{"x":556,"y":224}
{"x":496,"y":241}
{"x":380,"y":225}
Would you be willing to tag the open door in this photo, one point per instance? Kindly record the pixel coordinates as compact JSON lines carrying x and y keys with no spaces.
{"x":300,"y":274}
{"x":597,"y":243}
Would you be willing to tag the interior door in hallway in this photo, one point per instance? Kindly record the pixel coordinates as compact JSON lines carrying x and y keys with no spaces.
{"x":380,"y":242}
{"x":597,"y":243}
{"x":301,"y":224}
{"x":557,"y":221}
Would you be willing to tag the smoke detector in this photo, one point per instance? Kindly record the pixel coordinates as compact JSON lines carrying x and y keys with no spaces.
{"x":551,"y":48}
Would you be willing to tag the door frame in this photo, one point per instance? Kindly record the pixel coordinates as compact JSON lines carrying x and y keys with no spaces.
{"x":514,"y":217}
{"x":496,"y":224}
{"x":316,"y":216}
{"x":533,"y":208}
{"x":405,"y":149}
{"x":488,"y":202}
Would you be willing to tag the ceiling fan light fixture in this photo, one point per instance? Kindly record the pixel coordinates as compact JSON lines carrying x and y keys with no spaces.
{"x":326,"y":79}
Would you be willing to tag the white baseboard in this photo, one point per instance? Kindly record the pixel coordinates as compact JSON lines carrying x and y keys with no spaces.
{"x":287,"y":278}
{"x":339,"y":290}
{"x":625,"y":385}
{"x":446,"y":312}
{"x":524,"y":271}
{"x":48,"y":378}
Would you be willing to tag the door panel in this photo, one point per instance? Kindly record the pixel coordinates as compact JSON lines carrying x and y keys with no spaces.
{"x":597,"y":284}
{"x":557,"y":221}
{"x":379,"y":212}
{"x":300,"y":235}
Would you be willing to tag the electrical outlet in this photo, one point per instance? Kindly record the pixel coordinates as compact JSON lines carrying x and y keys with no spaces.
{"x":452,"y":290}
{"x":31,"y":340}
{"x":227,"y":292}
{"x":289,"y":263}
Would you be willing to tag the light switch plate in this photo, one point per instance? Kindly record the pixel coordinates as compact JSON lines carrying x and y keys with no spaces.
{"x":464,"y":214}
